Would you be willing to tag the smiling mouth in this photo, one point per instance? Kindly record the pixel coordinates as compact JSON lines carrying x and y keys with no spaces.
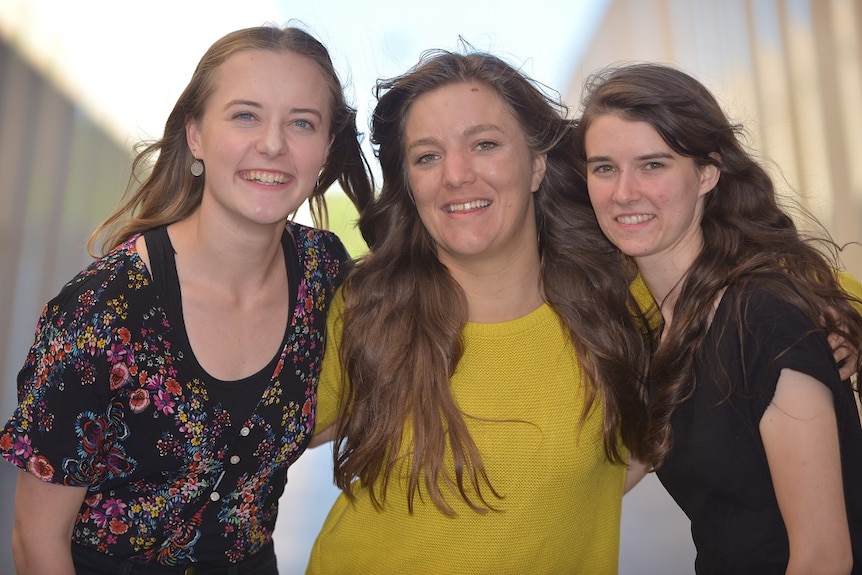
{"x":268,"y":178}
{"x":636,"y":219}
{"x":474,"y":205}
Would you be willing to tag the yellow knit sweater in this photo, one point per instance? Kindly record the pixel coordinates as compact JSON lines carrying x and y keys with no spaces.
{"x":561,"y":498}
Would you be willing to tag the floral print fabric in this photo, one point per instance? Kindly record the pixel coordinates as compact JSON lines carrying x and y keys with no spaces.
{"x":111,"y":398}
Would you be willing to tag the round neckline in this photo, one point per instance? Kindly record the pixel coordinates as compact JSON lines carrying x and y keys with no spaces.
{"x":537,"y":317}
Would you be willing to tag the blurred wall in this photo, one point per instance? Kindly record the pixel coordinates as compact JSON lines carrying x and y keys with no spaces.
{"x":59,"y":174}
{"x":789,"y":70}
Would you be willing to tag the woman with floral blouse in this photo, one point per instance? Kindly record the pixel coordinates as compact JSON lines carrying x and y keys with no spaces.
{"x":172,"y":382}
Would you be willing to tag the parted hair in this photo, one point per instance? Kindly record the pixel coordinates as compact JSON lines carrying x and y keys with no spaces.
{"x":404,"y":312}
{"x":161,"y":188}
{"x":748,"y":237}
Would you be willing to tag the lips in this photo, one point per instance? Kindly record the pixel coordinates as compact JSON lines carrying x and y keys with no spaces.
{"x":635,"y":218}
{"x":467,"y":206}
{"x":266,"y":178}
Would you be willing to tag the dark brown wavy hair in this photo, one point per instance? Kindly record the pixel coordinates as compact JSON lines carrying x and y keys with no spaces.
{"x":404,"y":312}
{"x":168,"y":192}
{"x":747,"y":237}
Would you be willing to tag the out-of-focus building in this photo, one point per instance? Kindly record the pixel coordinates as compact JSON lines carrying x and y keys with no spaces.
{"x":789,"y":70}
{"x":60,"y":173}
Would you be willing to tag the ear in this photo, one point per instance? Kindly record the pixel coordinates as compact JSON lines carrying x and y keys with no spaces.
{"x":540,"y":165}
{"x":193,"y":137}
{"x":709,"y":175}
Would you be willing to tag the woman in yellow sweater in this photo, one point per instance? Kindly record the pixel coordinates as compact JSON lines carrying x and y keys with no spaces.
{"x":479,"y":432}
{"x":480,"y":399}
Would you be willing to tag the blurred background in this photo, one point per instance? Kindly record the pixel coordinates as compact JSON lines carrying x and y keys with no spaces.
{"x":81,"y":82}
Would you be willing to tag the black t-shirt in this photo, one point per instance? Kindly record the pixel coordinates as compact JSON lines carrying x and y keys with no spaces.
{"x":717,"y":469}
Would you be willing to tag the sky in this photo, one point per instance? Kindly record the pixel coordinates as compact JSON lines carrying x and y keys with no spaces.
{"x":126,"y":63}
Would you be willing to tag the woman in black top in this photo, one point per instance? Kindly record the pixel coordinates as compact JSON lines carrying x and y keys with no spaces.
{"x":751,"y":429}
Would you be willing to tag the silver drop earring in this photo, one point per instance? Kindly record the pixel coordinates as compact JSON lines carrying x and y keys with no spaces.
{"x":197,"y":168}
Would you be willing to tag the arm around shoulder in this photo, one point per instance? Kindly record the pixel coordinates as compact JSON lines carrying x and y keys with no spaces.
{"x":45,"y":515}
{"x":636,"y":471}
{"x":323,"y":436}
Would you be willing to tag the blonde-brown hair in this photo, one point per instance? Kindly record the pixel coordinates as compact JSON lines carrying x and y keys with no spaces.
{"x":169,"y":192}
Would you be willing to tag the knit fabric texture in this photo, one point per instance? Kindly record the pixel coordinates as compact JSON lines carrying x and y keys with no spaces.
{"x":521,"y":389}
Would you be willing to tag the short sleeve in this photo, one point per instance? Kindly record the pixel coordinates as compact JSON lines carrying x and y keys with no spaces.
{"x":60,"y":415}
{"x":70,"y":424}
{"x":776,"y":335}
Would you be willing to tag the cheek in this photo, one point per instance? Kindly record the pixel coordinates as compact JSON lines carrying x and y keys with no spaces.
{"x":316,"y":154}
{"x":420,"y":184}
{"x":599,"y":195}
{"x":426,"y":211}
{"x":422,"y":197}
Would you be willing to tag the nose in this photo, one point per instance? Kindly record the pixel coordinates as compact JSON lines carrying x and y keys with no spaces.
{"x":626,"y":190}
{"x":272,"y":141}
{"x":457,"y":169}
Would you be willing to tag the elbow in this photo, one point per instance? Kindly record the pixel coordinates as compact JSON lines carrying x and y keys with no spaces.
{"x":833,"y":563}
{"x":843,"y":564}
{"x":19,"y":552}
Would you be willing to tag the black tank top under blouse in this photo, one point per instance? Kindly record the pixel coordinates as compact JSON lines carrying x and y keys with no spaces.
{"x":239,"y":397}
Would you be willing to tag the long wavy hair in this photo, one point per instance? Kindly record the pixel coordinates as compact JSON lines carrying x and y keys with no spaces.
{"x":404,"y":312}
{"x":747,"y":237}
{"x":161,"y":188}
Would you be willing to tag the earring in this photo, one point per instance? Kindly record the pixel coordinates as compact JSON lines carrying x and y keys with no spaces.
{"x":317,"y":185}
{"x":197,"y":168}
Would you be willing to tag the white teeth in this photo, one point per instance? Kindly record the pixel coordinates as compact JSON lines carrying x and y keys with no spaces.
{"x":474,"y":205}
{"x":636,"y":219}
{"x":264,"y":177}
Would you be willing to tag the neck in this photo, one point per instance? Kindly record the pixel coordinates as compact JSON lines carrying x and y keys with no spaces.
{"x":664,"y":272}
{"x":234,"y":259}
{"x":664,"y":280}
{"x":502,"y":292}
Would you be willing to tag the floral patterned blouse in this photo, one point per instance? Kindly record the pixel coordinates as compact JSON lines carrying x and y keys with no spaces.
{"x":178,"y":469}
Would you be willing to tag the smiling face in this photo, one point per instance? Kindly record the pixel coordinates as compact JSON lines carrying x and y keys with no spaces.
{"x":648,"y":199}
{"x":472,"y":174}
{"x":263,"y":136}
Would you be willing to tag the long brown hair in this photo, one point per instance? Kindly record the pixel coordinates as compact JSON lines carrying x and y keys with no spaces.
{"x":404,"y":312}
{"x":747,"y":236}
{"x":169,"y":192}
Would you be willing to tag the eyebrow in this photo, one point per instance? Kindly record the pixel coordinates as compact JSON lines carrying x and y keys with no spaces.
{"x":471,"y":131}
{"x":652,"y":156}
{"x":253,"y":104}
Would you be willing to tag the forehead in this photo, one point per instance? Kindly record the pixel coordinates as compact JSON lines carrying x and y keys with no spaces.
{"x":614,"y":130}
{"x":461,"y":104}
{"x":274,"y":76}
